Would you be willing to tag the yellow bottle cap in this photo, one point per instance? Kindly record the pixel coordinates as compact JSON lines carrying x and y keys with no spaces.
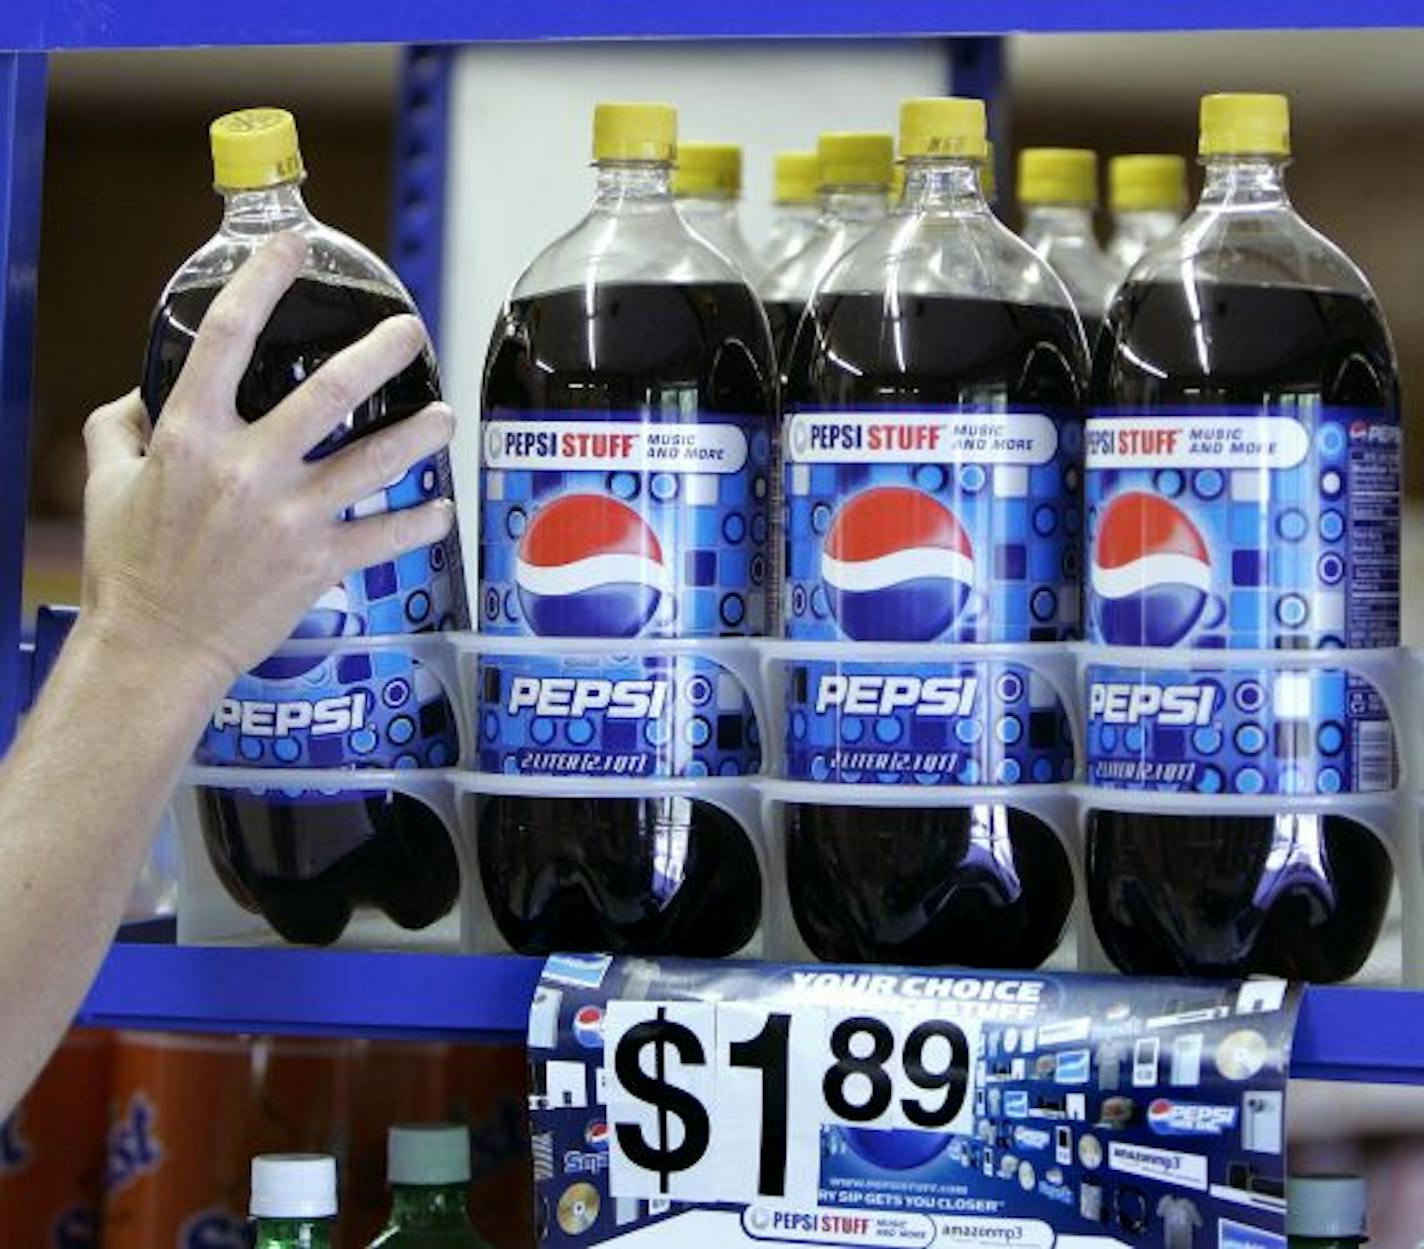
{"x":1248,"y":125}
{"x":853,"y":156}
{"x":943,"y":126}
{"x":708,"y":167}
{"x":1142,"y":183}
{"x":797,"y":174}
{"x":987,"y":181}
{"x":634,"y":131}
{"x":1058,"y":175}
{"x":897,"y":183}
{"x":255,"y":147}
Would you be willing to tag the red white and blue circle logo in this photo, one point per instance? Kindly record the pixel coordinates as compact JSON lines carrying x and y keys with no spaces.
{"x":595,"y":1136}
{"x":588,"y":1027}
{"x":589,"y":566}
{"x":897,"y":565}
{"x":1151,"y":572}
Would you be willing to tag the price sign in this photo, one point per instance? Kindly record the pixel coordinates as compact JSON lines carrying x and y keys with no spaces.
{"x":725,"y":1101}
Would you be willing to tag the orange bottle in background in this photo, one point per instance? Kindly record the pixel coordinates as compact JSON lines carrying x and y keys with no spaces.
{"x":179,"y":1127}
{"x":492,"y":1084}
{"x":52,"y":1150}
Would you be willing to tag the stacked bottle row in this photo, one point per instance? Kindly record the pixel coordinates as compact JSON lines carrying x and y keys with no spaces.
{"x":913,"y":488}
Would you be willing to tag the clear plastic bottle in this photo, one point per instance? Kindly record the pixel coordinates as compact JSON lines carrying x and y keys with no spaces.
{"x":988,"y":179}
{"x":707,"y":183}
{"x":1147,"y":195}
{"x":937,"y":322}
{"x":855,"y":171}
{"x":306,"y":861}
{"x":797,"y":205}
{"x":1242,"y":492}
{"x":627,"y":342}
{"x":1326,"y":1212}
{"x":293,"y":1200}
{"x":1058,"y":191}
{"x":428,"y":1168}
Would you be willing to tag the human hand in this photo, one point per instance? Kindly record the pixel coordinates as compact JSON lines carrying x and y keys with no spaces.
{"x":206,"y":540}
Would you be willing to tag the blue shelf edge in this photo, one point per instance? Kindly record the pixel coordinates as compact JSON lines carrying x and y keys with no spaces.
{"x":1345,"y":1033}
{"x":53,"y":25}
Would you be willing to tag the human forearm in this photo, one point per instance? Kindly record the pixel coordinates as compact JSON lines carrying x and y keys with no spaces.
{"x":81,"y":793}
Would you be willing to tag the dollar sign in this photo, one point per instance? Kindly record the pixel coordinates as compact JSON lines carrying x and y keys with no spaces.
{"x":669,"y":1099}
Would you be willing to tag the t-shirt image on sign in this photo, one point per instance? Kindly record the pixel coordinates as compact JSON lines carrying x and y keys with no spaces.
{"x":737,"y":1103}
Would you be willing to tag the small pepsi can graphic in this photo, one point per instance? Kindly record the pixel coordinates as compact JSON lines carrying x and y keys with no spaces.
{"x":628,"y":456}
{"x":932,"y":474}
{"x":1241,"y":493}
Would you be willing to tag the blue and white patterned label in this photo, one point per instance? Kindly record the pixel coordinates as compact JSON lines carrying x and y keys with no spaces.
{"x":989,"y":722}
{"x":357,"y":710}
{"x":929,"y":526}
{"x":1226,"y":529}
{"x":615,"y":716}
{"x":620,"y":526}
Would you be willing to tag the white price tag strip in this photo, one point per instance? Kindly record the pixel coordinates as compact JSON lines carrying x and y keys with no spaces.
{"x":725,"y":1106}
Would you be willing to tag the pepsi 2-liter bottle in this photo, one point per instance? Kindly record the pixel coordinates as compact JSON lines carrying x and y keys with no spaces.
{"x":1242,"y":492}
{"x":932,"y":457}
{"x":627,"y":477}
{"x":306,"y":859}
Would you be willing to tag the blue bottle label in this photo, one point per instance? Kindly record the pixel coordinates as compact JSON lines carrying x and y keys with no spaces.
{"x":623,"y":525}
{"x":988,"y":722}
{"x":376,"y":710}
{"x":1272,"y":528}
{"x":930,"y":525}
{"x":1239,"y":731}
{"x":614,"y":716}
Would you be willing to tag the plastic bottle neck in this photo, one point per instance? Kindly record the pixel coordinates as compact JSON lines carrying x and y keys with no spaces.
{"x":1245,"y":183}
{"x":265,"y":210}
{"x":796,"y":210}
{"x":721,"y":207}
{"x":1061,"y":222}
{"x":1145,"y":225}
{"x":633,"y":186}
{"x":853,"y":203}
{"x":943,"y":186}
{"x":293,"y":1234}
{"x":428,"y":1206}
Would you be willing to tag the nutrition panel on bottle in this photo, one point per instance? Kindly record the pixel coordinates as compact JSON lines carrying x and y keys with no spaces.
{"x":1242,"y":492}
{"x":932,"y":452}
{"x":306,"y":860}
{"x":629,"y":434}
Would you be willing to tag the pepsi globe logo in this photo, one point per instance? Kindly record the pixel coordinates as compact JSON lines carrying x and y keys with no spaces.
{"x":897,"y":1149}
{"x":595,"y":1136}
{"x":329,"y":618}
{"x":588,"y":1027}
{"x":589,"y":566}
{"x":897,"y":566}
{"x":1151,"y":572}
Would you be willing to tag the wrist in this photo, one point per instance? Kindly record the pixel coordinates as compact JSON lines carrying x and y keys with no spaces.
{"x":123,"y":651}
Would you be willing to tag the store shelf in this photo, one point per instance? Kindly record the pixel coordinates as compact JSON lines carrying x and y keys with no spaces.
{"x":47,"y":25}
{"x":1345,"y":1033}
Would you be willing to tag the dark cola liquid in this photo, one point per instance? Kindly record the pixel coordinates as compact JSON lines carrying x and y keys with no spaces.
{"x":784,"y":316}
{"x":986,"y":885}
{"x":1290,"y":895}
{"x":652,"y":876}
{"x":305,"y":864}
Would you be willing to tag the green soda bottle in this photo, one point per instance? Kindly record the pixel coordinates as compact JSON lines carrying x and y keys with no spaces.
{"x":1325,"y":1212}
{"x":428,"y":1166}
{"x":293,"y":1200}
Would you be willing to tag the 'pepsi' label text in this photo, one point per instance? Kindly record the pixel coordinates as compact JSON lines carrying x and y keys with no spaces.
{"x":378,"y":709}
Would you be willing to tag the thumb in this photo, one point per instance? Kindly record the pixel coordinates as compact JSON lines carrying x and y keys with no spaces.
{"x":116,"y":432}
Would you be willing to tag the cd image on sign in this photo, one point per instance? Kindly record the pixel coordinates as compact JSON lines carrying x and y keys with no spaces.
{"x":1241,"y":1054}
{"x":578,"y":1208}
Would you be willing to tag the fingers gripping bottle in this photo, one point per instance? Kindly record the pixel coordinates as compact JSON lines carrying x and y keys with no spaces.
{"x":304,"y":859}
{"x":1058,"y":190}
{"x":855,"y":172}
{"x":628,"y":457}
{"x":797,"y":206}
{"x":1242,"y":491}
{"x":293,"y":1200}
{"x":1146,"y":196}
{"x":932,"y":450}
{"x":707,"y":182}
